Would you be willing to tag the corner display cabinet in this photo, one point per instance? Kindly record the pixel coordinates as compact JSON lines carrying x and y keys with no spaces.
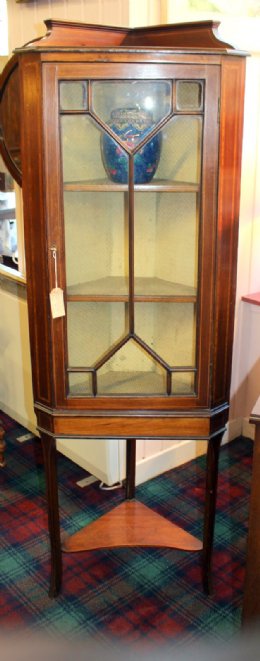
{"x":127,"y":143}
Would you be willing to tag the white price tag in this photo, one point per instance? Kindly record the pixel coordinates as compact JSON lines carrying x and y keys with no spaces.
{"x":57,"y":303}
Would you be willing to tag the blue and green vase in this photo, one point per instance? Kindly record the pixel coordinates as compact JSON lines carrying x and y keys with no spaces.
{"x":131,"y":125}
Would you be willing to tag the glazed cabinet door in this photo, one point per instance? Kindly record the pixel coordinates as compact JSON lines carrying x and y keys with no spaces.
{"x":131,"y":161}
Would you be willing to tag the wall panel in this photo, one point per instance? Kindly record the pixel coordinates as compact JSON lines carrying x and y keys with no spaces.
{"x":26,"y":18}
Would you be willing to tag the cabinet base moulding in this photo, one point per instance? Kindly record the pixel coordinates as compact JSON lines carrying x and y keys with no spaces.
{"x":137,"y":427}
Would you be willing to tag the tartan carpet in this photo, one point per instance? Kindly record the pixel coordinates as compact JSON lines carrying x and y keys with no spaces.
{"x":151,"y":596}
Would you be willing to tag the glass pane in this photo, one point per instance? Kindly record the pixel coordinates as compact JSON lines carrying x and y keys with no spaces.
{"x":132,"y":108}
{"x":189,"y":95}
{"x":115,"y":160}
{"x":169,"y":329}
{"x":146,"y":160}
{"x":80,"y":384}
{"x":180,"y":159}
{"x":96,"y":243}
{"x":93,"y":328}
{"x":73,"y":95}
{"x":81,"y":149}
{"x":183,"y":383}
{"x":166,"y":244}
{"x":131,"y":371}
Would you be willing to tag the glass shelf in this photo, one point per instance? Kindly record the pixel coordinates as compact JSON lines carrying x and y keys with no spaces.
{"x":156,"y":185}
{"x":146,"y":289}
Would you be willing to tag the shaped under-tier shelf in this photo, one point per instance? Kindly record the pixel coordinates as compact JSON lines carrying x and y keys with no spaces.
{"x":131,"y":524}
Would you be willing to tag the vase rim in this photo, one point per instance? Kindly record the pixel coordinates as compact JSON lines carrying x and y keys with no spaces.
{"x":117,"y":113}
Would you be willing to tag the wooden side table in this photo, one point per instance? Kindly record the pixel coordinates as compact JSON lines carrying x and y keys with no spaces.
{"x":251,"y":603}
{"x":2,"y":446}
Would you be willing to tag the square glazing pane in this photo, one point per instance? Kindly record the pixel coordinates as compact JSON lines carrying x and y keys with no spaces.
{"x":183,"y":383}
{"x":93,"y":329}
{"x":169,"y":329}
{"x":80,"y":384}
{"x":73,"y":95}
{"x":167,"y":229}
{"x":96,"y":243}
{"x":132,"y":108}
{"x":81,"y":150}
{"x":189,"y":95}
{"x":180,"y":157}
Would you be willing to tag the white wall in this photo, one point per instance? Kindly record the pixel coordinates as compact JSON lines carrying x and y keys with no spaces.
{"x":15,"y":363}
{"x":26,"y":20}
{"x":245,"y":386}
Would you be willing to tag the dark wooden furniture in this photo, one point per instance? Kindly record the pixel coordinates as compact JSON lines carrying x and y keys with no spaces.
{"x":251,"y":602}
{"x":146,"y":271}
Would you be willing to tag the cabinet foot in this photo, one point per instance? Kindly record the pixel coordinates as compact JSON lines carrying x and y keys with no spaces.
{"x":210,"y":510}
{"x":50,"y":462}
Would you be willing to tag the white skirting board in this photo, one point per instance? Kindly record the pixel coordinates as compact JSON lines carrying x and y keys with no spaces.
{"x":106,"y":458}
{"x":179,"y":453}
{"x":183,"y":451}
{"x":248,"y":429}
{"x":29,"y":422}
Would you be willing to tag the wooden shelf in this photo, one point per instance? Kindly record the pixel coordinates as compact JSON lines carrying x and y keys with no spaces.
{"x":115,"y":289}
{"x":131,"y":524}
{"x":156,"y":185}
{"x":252,"y":298}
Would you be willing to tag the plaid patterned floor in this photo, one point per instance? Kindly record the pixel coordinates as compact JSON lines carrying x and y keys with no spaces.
{"x":148,"y":597}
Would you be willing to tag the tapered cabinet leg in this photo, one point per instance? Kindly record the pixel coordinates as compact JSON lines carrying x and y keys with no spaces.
{"x":210,"y":509}
{"x":130,"y":467}
{"x":50,"y":463}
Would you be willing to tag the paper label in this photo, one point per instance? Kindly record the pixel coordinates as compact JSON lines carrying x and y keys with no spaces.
{"x":57,"y":303}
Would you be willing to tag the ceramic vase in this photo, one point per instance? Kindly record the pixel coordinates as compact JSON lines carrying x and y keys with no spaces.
{"x":131,"y":125}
